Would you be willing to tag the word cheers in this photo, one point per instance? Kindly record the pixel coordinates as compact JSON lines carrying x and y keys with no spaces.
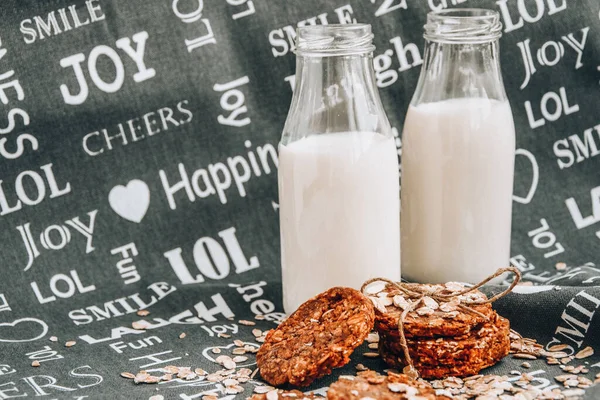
{"x":56,"y":237}
{"x":211,"y":258}
{"x":75,"y":61}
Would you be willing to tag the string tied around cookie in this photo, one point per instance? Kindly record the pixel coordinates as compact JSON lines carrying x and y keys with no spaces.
{"x":415,"y":295}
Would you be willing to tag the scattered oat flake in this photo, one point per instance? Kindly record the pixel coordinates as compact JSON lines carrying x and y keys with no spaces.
{"x":558,"y":347}
{"x":561,"y":266}
{"x":182,"y":335}
{"x":223,"y":335}
{"x":70,"y":343}
{"x":272,"y":395}
{"x":585,"y":353}
{"x":371,"y":354}
{"x":239,"y":359}
{"x":526,"y":365}
{"x":143,"y":313}
{"x":210,"y":397}
{"x":246,"y":322}
{"x":360,"y":367}
{"x":263,"y":389}
{"x":257,"y":332}
{"x":35,"y":363}
{"x":140,"y":325}
{"x":157,"y":397}
{"x":53,"y":339}
{"x":127,"y":375}
{"x":216,"y":350}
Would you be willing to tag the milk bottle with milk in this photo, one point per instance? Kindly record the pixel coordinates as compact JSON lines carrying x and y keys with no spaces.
{"x":338,"y":169}
{"x":458,"y":149}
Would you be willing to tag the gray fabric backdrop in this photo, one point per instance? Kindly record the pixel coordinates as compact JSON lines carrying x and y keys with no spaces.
{"x":138,"y":169}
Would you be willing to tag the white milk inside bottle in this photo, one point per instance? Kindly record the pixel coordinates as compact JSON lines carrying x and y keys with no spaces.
{"x":338,"y":201}
{"x":457,"y":184}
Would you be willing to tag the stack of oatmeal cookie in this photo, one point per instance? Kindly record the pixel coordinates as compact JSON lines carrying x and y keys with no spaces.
{"x":449,"y":336}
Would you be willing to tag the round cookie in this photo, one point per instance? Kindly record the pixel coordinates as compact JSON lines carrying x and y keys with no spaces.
{"x":442,"y":357}
{"x":316,"y":338}
{"x":371,"y":385}
{"x":444,"y":319}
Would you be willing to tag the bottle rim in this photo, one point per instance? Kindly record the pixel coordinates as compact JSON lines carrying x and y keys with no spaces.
{"x":463,"y":25}
{"x":334,"y":40}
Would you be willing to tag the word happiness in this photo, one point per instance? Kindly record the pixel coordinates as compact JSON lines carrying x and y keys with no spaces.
{"x":136,"y":129}
{"x":218,"y":177}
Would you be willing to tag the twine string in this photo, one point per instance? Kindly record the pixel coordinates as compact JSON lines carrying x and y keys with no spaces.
{"x":416,"y":294}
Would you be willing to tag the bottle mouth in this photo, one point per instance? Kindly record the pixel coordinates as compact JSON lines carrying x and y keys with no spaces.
{"x":334,"y":40}
{"x":463,"y":25}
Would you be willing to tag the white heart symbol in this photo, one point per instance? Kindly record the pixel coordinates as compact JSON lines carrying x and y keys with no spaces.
{"x":7,"y":339}
{"x":130,"y":202}
{"x":534,"y":180}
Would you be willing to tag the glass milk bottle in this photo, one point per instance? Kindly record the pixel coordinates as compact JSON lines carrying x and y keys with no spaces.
{"x":458,"y":149}
{"x":338,"y":169}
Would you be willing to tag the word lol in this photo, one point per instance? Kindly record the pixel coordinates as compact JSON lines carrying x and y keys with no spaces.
{"x":125,"y":266}
{"x":68,"y":18}
{"x":237,"y":107}
{"x":56,"y":237}
{"x":252,"y":294}
{"x":542,"y":238}
{"x":4,"y":303}
{"x":72,"y":283}
{"x":74,"y":61}
{"x":121,"y":306}
{"x":584,"y":149}
{"x":211,"y":259}
{"x":217,"y":177}
{"x":525,"y":9}
{"x":248,"y":11}
{"x":46,"y":385}
{"x":32,"y":197}
{"x":136,"y":129}
{"x":282,"y":40}
{"x":194,"y":18}
{"x":550,"y":53}
{"x":8,"y":82}
{"x":579,"y":220}
{"x":550,"y":101}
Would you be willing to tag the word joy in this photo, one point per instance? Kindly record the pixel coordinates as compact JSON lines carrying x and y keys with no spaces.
{"x":56,"y":237}
{"x":550,"y":53}
{"x":75,"y":61}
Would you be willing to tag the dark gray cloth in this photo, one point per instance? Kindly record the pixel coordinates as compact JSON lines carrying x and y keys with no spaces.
{"x":155,"y":184}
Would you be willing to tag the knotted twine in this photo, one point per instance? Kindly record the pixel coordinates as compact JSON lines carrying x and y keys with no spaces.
{"x":416,"y":293}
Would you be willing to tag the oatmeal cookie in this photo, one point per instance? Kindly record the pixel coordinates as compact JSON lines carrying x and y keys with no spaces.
{"x":452,"y":356}
{"x":316,"y":338}
{"x":371,"y":385}
{"x":430,"y":318}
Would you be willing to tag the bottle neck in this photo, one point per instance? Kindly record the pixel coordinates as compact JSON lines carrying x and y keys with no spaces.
{"x":460,"y":70}
{"x":335,"y":94}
